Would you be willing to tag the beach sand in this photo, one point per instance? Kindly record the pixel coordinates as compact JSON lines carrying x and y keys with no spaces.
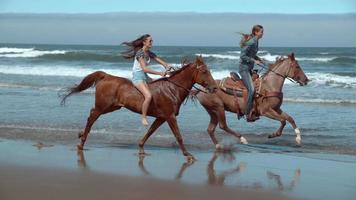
{"x":36,"y":170}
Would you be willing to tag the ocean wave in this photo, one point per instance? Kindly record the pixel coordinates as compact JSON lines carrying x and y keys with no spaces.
{"x":322,"y":101}
{"x":84,"y":56}
{"x":272,"y":57}
{"x":57,"y":70}
{"x":31,"y":54}
{"x":316,"y":59}
{"x":220,"y":56}
{"x":4,"y":50}
{"x":331,"y":80}
{"x":344,"y":60}
{"x":26,"y":52}
{"x":317,"y":78}
{"x":268,"y":56}
{"x":74,"y":71}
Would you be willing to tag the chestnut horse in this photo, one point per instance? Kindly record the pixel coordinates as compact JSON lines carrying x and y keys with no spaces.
{"x":268,"y":102}
{"x":113,"y":93}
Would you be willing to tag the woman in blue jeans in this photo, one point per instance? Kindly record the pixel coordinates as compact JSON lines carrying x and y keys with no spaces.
{"x":249,"y":48}
{"x":139,"y":50}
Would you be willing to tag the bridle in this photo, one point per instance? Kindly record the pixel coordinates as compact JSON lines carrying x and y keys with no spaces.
{"x":195,"y":77}
{"x":292,"y":65}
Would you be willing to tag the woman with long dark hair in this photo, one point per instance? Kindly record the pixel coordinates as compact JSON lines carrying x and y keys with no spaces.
{"x":248,"y":57}
{"x":139,"y":50}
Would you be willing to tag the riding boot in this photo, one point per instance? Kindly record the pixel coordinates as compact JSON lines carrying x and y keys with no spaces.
{"x":251,"y":117}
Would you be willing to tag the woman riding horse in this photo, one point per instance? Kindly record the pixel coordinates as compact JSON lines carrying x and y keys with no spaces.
{"x":139,"y":49}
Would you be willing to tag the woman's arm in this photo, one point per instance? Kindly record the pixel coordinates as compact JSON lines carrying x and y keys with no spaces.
{"x":164,"y":64}
{"x":147,"y":69}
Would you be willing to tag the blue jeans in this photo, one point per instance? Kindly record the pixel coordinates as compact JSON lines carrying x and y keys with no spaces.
{"x":247,"y":79}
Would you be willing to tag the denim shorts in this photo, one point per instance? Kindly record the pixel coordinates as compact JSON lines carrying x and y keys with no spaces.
{"x":138,"y":76}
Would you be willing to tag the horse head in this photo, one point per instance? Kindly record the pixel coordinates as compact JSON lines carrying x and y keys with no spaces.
{"x":203,"y":76}
{"x":296,"y":72}
{"x":289,"y":67}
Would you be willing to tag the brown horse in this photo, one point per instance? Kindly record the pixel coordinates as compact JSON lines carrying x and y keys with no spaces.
{"x":113,"y":93}
{"x":268,"y":99}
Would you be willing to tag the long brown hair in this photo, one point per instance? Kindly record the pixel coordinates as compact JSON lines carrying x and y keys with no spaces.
{"x":134,"y":46}
{"x":245,"y":37}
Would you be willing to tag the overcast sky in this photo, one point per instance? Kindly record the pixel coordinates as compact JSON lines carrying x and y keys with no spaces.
{"x":189,"y":23}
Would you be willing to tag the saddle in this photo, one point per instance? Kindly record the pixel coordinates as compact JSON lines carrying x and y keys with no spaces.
{"x":234,"y":86}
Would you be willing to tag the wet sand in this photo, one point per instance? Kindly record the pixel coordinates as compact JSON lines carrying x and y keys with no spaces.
{"x":36,"y":170}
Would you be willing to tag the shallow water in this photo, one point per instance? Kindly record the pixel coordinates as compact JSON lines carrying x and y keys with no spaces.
{"x":32,"y":75}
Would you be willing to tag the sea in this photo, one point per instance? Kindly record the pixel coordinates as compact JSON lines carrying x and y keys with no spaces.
{"x":33,"y":75}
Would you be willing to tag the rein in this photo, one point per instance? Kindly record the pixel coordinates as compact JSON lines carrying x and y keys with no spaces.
{"x":176,"y":84}
{"x":285,"y":77}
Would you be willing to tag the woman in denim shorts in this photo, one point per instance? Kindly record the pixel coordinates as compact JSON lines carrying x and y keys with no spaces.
{"x":139,"y":49}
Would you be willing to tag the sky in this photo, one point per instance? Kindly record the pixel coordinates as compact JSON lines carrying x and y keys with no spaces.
{"x":294,"y":23}
{"x":254,"y":6}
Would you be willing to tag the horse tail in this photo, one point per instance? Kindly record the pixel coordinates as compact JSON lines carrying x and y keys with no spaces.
{"x":86,"y":83}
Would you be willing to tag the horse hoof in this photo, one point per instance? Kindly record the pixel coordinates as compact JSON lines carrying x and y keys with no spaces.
{"x":298,"y":140}
{"x":243,"y":140}
{"x":142,"y":152}
{"x":219,"y":147}
{"x":190,"y":159}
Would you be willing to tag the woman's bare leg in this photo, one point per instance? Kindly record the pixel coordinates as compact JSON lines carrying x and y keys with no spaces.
{"x":143,"y":87}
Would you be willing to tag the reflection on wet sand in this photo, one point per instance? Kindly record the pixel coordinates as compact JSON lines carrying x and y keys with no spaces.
{"x":82,"y":164}
{"x":141,"y":165}
{"x":219,"y":179}
{"x":215,"y":178}
{"x":278,"y":180}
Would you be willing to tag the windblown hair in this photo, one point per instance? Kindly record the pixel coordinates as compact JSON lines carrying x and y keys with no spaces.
{"x":245,"y":37}
{"x":133,"y":46}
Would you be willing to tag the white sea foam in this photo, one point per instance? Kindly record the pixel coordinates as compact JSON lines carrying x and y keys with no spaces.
{"x":333,"y":80}
{"x":316,"y":59}
{"x":14,"y":50}
{"x":26,"y":52}
{"x":235,"y":52}
{"x":317,"y":100}
{"x":57,"y":70}
{"x":221,"y":56}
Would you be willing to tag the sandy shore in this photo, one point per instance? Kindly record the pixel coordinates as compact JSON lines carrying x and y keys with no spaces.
{"x":35,"y":170}
{"x":35,"y":183}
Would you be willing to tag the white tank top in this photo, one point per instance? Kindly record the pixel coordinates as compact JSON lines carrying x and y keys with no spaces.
{"x":140,"y":54}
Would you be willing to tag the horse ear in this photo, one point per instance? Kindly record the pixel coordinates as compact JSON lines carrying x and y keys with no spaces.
{"x":292,"y":56}
{"x":199,"y":59}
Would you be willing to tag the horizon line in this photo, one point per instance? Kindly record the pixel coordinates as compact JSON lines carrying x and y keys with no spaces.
{"x":2,"y":43}
{"x":171,"y":12}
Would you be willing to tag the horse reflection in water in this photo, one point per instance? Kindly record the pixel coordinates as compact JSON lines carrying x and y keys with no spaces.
{"x":219,"y":179}
{"x":214,"y":177}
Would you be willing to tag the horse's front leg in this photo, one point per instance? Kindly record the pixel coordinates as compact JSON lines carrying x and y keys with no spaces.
{"x":275,"y":115}
{"x":298,"y":138}
{"x":282,"y":117}
{"x":172,"y":122}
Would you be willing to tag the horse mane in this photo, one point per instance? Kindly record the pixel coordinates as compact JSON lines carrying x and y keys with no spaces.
{"x":279,"y":60}
{"x":175,"y":72}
